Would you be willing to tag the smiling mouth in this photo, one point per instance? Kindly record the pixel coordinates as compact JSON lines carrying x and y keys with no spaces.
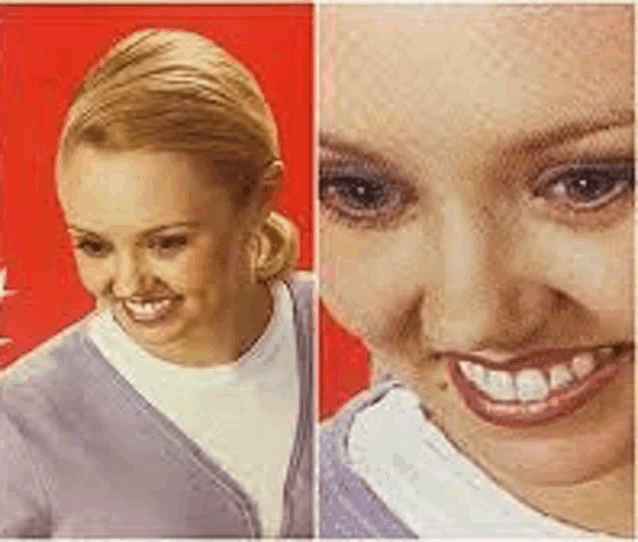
{"x":539,"y":389}
{"x":150,"y":311}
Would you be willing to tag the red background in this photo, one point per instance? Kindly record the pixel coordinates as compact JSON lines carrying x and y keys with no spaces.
{"x":46,"y":52}
{"x":344,"y":365}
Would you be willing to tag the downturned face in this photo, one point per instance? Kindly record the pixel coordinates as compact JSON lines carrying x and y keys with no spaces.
{"x":476,"y":220}
{"x":155,"y":242}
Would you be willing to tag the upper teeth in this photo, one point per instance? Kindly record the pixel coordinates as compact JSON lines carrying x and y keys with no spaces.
{"x":559,"y":376}
{"x":501,"y":385}
{"x":583,"y":364}
{"x":147,"y":308}
{"x":530,"y":384}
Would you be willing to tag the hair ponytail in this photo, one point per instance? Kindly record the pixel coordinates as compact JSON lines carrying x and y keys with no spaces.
{"x":277,"y":252}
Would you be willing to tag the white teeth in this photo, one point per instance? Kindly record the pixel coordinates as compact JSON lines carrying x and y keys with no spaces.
{"x":499,"y":385}
{"x":147,"y":309}
{"x":559,"y":376}
{"x":583,"y":364}
{"x":531,"y":385}
{"x":473,"y":371}
{"x":160,"y":305}
{"x":606,"y":353}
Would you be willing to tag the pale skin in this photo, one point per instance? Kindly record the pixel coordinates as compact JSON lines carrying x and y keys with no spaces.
{"x":146,"y":223}
{"x":460,"y":113}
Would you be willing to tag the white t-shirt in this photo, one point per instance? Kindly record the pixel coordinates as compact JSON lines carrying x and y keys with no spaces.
{"x":242,"y":414}
{"x":432,"y":487}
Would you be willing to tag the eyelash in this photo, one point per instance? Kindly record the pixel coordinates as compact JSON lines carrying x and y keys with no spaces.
{"x":607,"y":181}
{"x":380,"y":203}
{"x":93,"y":248}
{"x":362,"y":196}
{"x":168,"y":244}
{"x":162,"y":245}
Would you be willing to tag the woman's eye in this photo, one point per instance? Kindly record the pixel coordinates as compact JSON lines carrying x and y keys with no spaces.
{"x":362,"y":199}
{"x":168,"y":244}
{"x":93,"y":249}
{"x":586,"y":187}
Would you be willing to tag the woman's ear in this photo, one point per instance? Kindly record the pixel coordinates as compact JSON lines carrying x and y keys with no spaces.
{"x":270,"y":183}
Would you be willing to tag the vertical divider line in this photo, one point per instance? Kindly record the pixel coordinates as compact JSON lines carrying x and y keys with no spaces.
{"x":634,"y":4}
{"x":315,"y":54}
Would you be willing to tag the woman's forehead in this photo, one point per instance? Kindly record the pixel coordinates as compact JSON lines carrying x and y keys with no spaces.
{"x":142,"y":189}
{"x":429,"y":76}
{"x":495,"y":31}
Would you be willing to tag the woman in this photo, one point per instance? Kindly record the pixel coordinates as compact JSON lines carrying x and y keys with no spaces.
{"x":476,"y":231}
{"x":183,"y":406}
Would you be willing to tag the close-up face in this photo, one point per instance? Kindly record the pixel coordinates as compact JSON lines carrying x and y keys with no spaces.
{"x":155,"y":242}
{"x":476,"y":222}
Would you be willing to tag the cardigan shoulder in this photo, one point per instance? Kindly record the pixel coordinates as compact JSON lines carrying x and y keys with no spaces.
{"x":302,"y":285}
{"x":49,"y":374}
{"x":34,"y":391}
{"x":348,"y":507}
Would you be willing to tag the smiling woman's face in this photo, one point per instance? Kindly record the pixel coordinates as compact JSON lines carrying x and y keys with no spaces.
{"x":477,"y":200}
{"x":158,"y":244}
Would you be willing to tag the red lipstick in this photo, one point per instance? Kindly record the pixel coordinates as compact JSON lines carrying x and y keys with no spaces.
{"x":538,"y":388}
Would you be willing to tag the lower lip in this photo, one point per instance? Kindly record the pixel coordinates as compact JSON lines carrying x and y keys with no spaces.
{"x":160,"y":317}
{"x":558,"y":405}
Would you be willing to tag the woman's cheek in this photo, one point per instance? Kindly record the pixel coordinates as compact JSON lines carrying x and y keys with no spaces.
{"x":184,"y":273}
{"x":368,"y":285}
{"x":95,"y":275}
{"x":613,"y":297}
{"x":592,"y":269}
{"x":597,"y":272}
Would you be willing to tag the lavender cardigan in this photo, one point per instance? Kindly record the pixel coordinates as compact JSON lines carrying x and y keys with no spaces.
{"x":82,"y":454}
{"x":348,"y":507}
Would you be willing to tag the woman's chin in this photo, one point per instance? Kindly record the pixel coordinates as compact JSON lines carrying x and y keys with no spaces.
{"x":152,"y":332}
{"x":585,"y":445}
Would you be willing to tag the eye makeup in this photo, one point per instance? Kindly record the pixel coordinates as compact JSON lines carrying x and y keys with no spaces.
{"x":91,"y":245}
{"x":583,"y":183}
{"x":587,"y":183}
{"x":167,"y":245}
{"x":361,"y":190}
{"x":586,"y":186}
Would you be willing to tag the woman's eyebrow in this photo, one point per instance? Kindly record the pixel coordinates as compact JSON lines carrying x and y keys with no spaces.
{"x":77,"y":229}
{"x":533,"y":141}
{"x":152,"y":231}
{"x":333,"y":142}
{"x":158,"y":229}
{"x":359,"y":154}
{"x":572,"y":131}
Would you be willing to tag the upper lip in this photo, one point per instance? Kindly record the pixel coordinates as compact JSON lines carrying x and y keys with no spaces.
{"x":534,"y":358}
{"x":146,"y":299}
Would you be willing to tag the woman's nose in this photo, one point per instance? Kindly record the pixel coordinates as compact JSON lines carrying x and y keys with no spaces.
{"x":479,"y":301}
{"x":131,"y":275}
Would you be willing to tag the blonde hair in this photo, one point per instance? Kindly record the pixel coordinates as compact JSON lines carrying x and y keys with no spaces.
{"x":172,"y":90}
